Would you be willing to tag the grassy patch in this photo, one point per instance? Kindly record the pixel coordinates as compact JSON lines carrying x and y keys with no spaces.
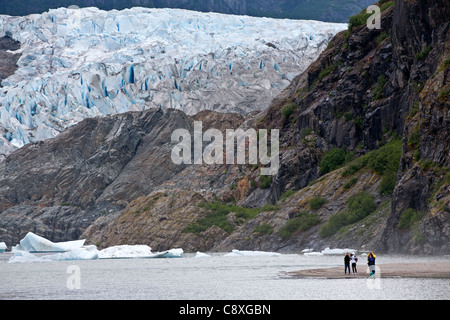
{"x":385,"y":161}
{"x":408,"y":218}
{"x":302,"y":222}
{"x":422,"y":55}
{"x":359,"y":206}
{"x":266,"y":181}
{"x":288,"y":110}
{"x":334,"y":159}
{"x":264,"y":228}
{"x":316,"y":203}
{"x":218,"y":213}
{"x":379,"y":89}
{"x":327,"y":70}
{"x":287,"y":194}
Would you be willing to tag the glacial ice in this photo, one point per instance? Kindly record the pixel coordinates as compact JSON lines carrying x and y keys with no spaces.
{"x":328,"y":251}
{"x":84,"y":253}
{"x":76,"y":250}
{"x":34,"y":243}
{"x":2,"y":247}
{"x":80,"y":63}
{"x":247,"y":253}
{"x":137,"y":251}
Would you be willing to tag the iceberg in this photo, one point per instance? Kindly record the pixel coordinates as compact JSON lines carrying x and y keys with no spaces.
{"x":34,"y":243}
{"x":239,"y":253}
{"x":84,"y":253}
{"x":84,"y":63}
{"x":199,"y":254}
{"x":2,"y":247}
{"x":125,"y":251}
{"x":137,"y":251}
{"x":337,"y":251}
{"x":328,"y":251}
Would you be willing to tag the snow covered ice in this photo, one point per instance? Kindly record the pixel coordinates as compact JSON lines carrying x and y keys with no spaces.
{"x":77,"y":250}
{"x":80,"y":63}
{"x":137,"y":251}
{"x":34,"y":243}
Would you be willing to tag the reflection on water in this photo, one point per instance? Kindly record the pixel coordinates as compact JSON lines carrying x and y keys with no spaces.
{"x":215,"y":278}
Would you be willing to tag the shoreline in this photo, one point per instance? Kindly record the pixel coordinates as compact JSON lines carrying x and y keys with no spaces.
{"x":436,"y":270}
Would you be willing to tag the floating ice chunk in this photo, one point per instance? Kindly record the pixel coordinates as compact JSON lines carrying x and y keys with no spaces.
{"x":199,"y":254}
{"x":337,"y":251}
{"x":313,"y":254}
{"x":34,"y":243}
{"x":239,"y":253}
{"x":307,"y":250}
{"x":23,"y":256}
{"x":137,"y":251}
{"x":83,"y":253}
{"x":2,"y":247}
{"x":174,"y":253}
{"x":125,"y":251}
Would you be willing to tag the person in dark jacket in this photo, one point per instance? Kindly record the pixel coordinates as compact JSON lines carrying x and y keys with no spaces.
{"x":347,"y":263}
{"x":371,"y":263}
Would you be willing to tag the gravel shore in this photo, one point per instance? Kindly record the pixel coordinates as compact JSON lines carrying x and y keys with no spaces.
{"x":391,"y":270}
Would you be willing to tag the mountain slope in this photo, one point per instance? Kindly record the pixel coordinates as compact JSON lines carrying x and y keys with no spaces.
{"x":364,"y":160}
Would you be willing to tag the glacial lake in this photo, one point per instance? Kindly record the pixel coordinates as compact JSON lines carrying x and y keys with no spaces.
{"x":218,"y":277}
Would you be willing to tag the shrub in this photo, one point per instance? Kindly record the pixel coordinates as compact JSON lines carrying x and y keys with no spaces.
{"x":303,"y":222}
{"x":408,"y":218}
{"x":379,"y":89}
{"x":316,"y":203}
{"x":288,"y":110}
{"x":350,"y":183}
{"x":266,"y":181}
{"x":388,"y":182}
{"x":384,"y":161}
{"x":263,"y":228}
{"x":217,"y":216}
{"x":414,"y":138}
{"x":358,"y":20}
{"x":327,"y":70}
{"x":334,"y":159}
{"x":359,"y":206}
{"x":424,"y":53}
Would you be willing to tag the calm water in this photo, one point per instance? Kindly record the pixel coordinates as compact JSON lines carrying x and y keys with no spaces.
{"x":216,"y":278}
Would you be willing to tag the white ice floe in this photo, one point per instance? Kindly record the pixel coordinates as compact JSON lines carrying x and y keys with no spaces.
{"x":199,"y":254}
{"x":125,"y":251}
{"x":240,"y":253}
{"x":76,"y":250}
{"x":137,"y":251}
{"x":328,"y":251}
{"x":34,"y":243}
{"x":78,"y":64}
{"x":83,"y":253}
{"x":337,"y":251}
{"x":2,"y":247}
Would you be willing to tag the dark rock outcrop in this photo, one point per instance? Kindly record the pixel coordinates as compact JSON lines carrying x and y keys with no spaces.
{"x":8,"y":60}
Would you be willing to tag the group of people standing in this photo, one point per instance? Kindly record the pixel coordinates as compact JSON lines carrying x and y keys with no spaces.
{"x":352,"y":259}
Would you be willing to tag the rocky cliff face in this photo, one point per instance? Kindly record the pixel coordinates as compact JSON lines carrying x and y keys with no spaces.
{"x":364,"y":158}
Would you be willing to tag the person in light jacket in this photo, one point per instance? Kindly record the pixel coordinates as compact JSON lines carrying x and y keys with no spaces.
{"x":371,"y":262}
{"x":354,"y":260}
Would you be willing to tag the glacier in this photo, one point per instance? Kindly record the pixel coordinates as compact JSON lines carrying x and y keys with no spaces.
{"x":83,"y":63}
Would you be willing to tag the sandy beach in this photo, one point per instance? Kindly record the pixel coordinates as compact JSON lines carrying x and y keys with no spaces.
{"x":391,"y":270}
